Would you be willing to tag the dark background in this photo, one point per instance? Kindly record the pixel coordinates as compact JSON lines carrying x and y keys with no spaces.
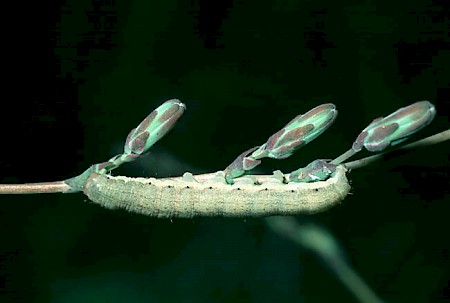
{"x":78,"y":75}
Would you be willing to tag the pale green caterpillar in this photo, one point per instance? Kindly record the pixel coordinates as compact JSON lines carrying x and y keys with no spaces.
{"x":211,"y":196}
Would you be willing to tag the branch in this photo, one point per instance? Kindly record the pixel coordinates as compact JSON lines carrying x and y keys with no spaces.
{"x":35,"y":188}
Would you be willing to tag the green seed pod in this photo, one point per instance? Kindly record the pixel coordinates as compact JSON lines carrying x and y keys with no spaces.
{"x":300,"y":131}
{"x":396,"y":127}
{"x":155,"y":126}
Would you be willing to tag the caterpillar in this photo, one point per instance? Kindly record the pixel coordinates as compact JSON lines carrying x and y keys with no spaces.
{"x":209,"y":195}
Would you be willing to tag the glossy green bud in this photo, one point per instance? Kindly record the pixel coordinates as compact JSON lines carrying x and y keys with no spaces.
{"x":396,"y":127}
{"x":155,"y":126}
{"x":300,"y":131}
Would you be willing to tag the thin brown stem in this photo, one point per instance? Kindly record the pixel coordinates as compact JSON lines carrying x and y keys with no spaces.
{"x":35,"y":188}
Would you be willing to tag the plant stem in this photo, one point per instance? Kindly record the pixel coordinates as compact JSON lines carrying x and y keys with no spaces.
{"x":343,"y":157}
{"x":35,"y":188}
